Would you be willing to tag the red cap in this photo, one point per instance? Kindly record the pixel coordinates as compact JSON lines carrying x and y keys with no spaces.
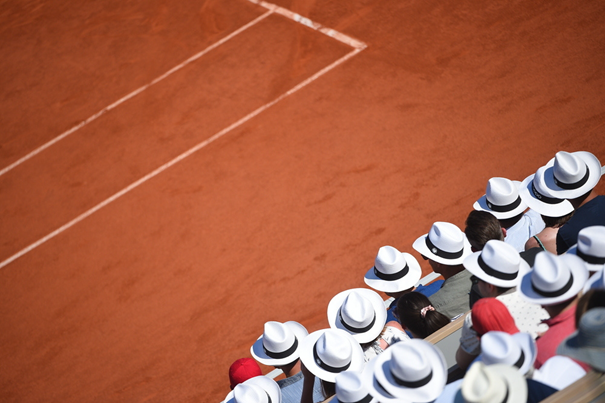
{"x":490,"y":314}
{"x":242,"y":370}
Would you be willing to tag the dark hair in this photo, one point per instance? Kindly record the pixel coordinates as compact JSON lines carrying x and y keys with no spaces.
{"x":409,"y":307}
{"x":592,"y":299}
{"x":328,"y":388}
{"x":556,"y":222}
{"x":481,"y":227}
{"x":509,"y":222}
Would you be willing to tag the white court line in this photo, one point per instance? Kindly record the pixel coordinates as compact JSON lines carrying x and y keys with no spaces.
{"x":182,"y":156}
{"x":132,"y":94}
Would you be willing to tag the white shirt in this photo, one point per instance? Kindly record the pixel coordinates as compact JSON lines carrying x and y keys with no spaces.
{"x":529,"y":225}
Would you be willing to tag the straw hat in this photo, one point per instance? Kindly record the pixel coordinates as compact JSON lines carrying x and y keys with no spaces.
{"x":393,"y":271}
{"x":571,"y":175}
{"x":492,"y":384}
{"x":279,"y":344}
{"x":587,"y":344}
{"x":518,"y":350}
{"x":445,"y":243}
{"x":351,"y":389}
{"x":591,"y":247}
{"x":260,"y":389}
{"x":498,"y":263}
{"x":536,"y":194}
{"x":501,"y":198}
{"x":360,"y":312}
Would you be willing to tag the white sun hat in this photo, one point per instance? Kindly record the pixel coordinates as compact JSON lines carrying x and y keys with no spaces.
{"x":259,"y":389}
{"x":591,"y":247}
{"x":445,"y":243}
{"x":538,"y":197}
{"x":558,"y":372}
{"x":351,"y":389}
{"x":375,"y":388}
{"x":279,"y":344}
{"x":595,"y":282}
{"x":498,"y":383}
{"x":498,"y":263}
{"x":414,"y":370}
{"x":518,"y":350}
{"x":553,"y":279}
{"x":571,"y":175}
{"x":393,"y":271}
{"x":327,"y":352}
{"x":501,"y":199}
{"x":359,"y":312}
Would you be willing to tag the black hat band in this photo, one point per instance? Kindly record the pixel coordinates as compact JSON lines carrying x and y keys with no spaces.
{"x":282,"y":354}
{"x":414,"y":384}
{"x":495,"y":273}
{"x":356,"y":329}
{"x":552,"y":294}
{"x":323,"y":365}
{"x":441,"y":253}
{"x":520,"y":361}
{"x":394,"y":276}
{"x":590,"y":259}
{"x":543,"y":198}
{"x":575,"y":185}
{"x":505,"y":208}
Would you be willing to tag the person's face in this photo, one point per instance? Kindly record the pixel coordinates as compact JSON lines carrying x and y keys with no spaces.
{"x":484,"y":289}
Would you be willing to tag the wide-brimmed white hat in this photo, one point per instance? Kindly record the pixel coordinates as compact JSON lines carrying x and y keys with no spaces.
{"x":596,"y":282}
{"x":359,"y":312}
{"x":571,"y":175}
{"x":414,"y":370}
{"x":558,"y":372}
{"x":327,"y":352}
{"x":553,"y":279}
{"x":393,"y":271}
{"x":497,"y":383}
{"x":260,"y":389}
{"x":501,"y":198}
{"x":279,"y":344}
{"x":375,"y":388}
{"x":498,"y":263}
{"x":351,"y":389}
{"x":537,"y":196}
{"x":518,"y":350}
{"x":587,"y":344}
{"x":591,"y":247}
{"x":445,"y":243}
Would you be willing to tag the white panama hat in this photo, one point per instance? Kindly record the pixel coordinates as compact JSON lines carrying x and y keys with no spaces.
{"x":497,"y":383}
{"x":259,"y":389}
{"x":414,"y":370}
{"x":327,"y":352}
{"x":351,"y":389}
{"x":498,"y":263}
{"x":591,"y":247}
{"x":558,"y":372}
{"x":445,"y":243}
{"x":359,"y":312}
{"x":393,"y":271}
{"x":553,"y":279}
{"x":279,"y":344}
{"x":518,"y":350}
{"x":571,"y":175}
{"x":501,"y":199}
{"x":538,"y":197}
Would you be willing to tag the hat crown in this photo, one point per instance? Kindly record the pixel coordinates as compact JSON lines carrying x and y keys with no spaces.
{"x":591,"y":241}
{"x":244,"y":393}
{"x":349,"y":387}
{"x":277,"y":337}
{"x":408,"y":363}
{"x":447,"y":237}
{"x":501,"y":256}
{"x":334,"y":349}
{"x":568,"y":168}
{"x":482,"y":386}
{"x":499,"y":348}
{"x":592,"y":328}
{"x":501,"y":191}
{"x":550,"y":273}
{"x":357,"y":311}
{"x":389,"y":260}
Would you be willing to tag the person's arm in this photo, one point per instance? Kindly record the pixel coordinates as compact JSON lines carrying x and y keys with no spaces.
{"x":464,"y":359}
{"x":308,"y":383}
{"x":469,"y":347}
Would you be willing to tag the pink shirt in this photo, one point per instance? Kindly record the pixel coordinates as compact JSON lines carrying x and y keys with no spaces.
{"x":559,"y":328}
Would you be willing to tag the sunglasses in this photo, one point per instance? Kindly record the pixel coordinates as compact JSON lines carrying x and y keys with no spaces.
{"x":474,"y":280}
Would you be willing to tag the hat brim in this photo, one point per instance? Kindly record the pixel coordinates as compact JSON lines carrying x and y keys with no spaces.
{"x":590,"y":266}
{"x":471,"y":263}
{"x":558,"y":372}
{"x":420,"y":246}
{"x":596,"y":281}
{"x":375,"y":389}
{"x":363,"y":376}
{"x":380,"y":311}
{"x":481,"y":205}
{"x":572,"y":347}
{"x":308,"y":359}
{"x":594,"y":174}
{"x":515,"y":383}
{"x":426,"y":393}
{"x":579,"y":273}
{"x":406,"y":282}
{"x":550,"y":210}
{"x":265,"y":383}
{"x":527,"y":344}
{"x":258,"y":351}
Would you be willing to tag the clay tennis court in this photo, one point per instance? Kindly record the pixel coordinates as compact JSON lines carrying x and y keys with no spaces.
{"x":174,"y":174}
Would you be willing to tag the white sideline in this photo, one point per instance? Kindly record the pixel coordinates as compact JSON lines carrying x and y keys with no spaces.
{"x":184,"y":155}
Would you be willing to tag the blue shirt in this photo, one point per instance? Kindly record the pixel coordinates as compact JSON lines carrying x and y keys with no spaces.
{"x":291,"y":389}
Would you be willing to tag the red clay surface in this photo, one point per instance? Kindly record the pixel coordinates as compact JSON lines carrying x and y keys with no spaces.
{"x":152,"y":297}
